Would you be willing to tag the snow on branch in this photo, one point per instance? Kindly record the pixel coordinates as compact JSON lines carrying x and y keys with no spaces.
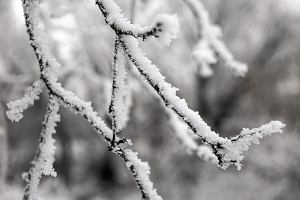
{"x":17,"y":107}
{"x":228,"y":151}
{"x":210,"y":44}
{"x":188,"y":142}
{"x":141,"y":172}
{"x":241,"y":142}
{"x":48,"y":64}
{"x":164,"y":28}
{"x":168,"y":94}
{"x":118,"y":108}
{"x":182,"y":132}
{"x":44,"y":158}
{"x":48,"y":68}
{"x":117,"y":20}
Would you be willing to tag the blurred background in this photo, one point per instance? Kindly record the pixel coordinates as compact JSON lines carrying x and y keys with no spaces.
{"x":264,"y":34}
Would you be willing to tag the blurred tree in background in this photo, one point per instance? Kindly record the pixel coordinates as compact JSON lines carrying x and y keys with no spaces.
{"x":263,"y":34}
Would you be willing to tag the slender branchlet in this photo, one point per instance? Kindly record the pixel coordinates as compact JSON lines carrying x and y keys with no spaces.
{"x":44,"y":158}
{"x":210,"y":44}
{"x":122,"y":26}
{"x":118,"y":108}
{"x":16,"y":108}
{"x":188,"y":141}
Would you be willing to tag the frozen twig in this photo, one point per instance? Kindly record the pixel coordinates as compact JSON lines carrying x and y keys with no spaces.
{"x":118,"y":108}
{"x":17,"y":107}
{"x":189,"y":142}
{"x":141,"y":173}
{"x":44,"y":158}
{"x":210,"y":44}
{"x":164,"y":28}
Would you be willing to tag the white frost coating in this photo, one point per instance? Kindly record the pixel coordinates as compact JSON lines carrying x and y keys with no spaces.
{"x":44,"y":159}
{"x":222,"y":146}
{"x":17,"y":107}
{"x":70,"y":100}
{"x":164,"y":28}
{"x":168,"y":29}
{"x":205,"y":153}
{"x":43,"y":162}
{"x":188,"y":142}
{"x":211,"y":44}
{"x":37,"y":38}
{"x":181,"y":131}
{"x":205,"y":57}
{"x":119,"y":98}
{"x":49,"y":66}
{"x":247,"y":137}
{"x":169,"y":92}
{"x":47,"y":148}
{"x":115,"y":16}
{"x":141,"y":171}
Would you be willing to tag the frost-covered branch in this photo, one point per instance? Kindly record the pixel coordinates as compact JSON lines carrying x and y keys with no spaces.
{"x":48,"y":67}
{"x":118,"y":108}
{"x":247,"y":136}
{"x":141,"y":173}
{"x":189,"y":142}
{"x":181,"y":131}
{"x":58,"y":95}
{"x":44,"y":158}
{"x":16,"y":108}
{"x":226,"y":150}
{"x":210,"y":44}
{"x":160,"y":29}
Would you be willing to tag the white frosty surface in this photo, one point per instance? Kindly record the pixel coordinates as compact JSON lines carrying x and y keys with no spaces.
{"x":231,"y":154}
{"x":17,"y":107}
{"x":168,"y":23}
{"x":211,"y":45}
{"x":43,"y":162}
{"x":120,"y":100}
{"x":188,"y":141}
{"x":142,"y":172}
